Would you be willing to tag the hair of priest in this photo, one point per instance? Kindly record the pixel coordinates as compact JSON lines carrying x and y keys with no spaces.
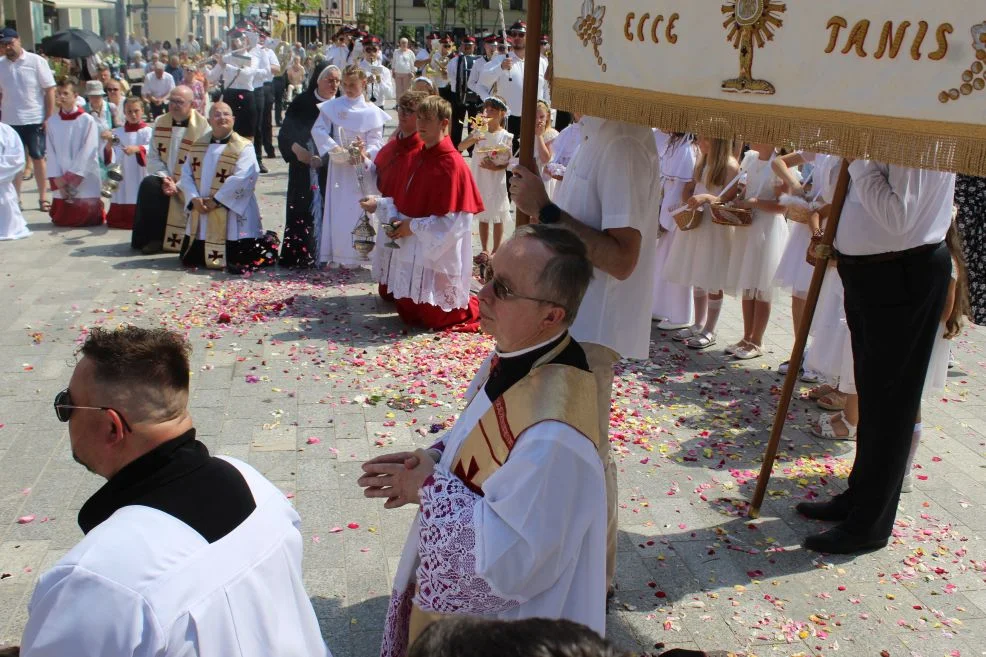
{"x":566,"y":276}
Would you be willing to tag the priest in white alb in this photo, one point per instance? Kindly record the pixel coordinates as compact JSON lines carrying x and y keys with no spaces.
{"x":348,"y":120}
{"x":12,"y":224}
{"x":158,"y":196}
{"x":512,"y":519}
{"x":128,"y":148}
{"x":73,"y":147}
{"x":223,"y":227}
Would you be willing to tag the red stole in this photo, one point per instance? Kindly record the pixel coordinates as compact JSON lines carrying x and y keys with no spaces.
{"x":71,"y":116}
{"x":439,"y":183}
{"x":393,"y":164}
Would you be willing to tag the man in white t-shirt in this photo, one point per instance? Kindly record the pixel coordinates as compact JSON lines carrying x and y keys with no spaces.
{"x":157,"y":87}
{"x":610,"y":197}
{"x":28,"y":98}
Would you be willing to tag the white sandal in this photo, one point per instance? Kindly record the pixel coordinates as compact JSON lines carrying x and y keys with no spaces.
{"x":825,"y":429}
{"x":686,"y":333}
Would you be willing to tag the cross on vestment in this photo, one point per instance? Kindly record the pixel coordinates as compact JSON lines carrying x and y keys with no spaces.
{"x":215,"y":256}
{"x":223,"y":176}
{"x":174,"y":239}
{"x":467,"y":476}
{"x":161,"y":150}
{"x":195,"y":165}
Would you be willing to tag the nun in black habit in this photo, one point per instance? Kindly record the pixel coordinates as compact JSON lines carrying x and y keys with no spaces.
{"x":306,"y":172}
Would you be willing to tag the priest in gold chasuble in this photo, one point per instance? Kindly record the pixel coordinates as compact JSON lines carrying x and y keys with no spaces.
{"x":222,"y":227}
{"x":512,"y":520}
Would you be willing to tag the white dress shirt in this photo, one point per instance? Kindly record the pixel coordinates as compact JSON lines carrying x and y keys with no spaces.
{"x":233,"y":75}
{"x":473,"y":84}
{"x":23,"y":83}
{"x":404,"y":62}
{"x":614,"y":181}
{"x":155,"y":87}
{"x":510,"y":84}
{"x":891,"y":208}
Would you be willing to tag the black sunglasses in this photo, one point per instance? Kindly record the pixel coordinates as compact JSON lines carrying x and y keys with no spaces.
{"x":503,"y":292}
{"x":64,"y":408}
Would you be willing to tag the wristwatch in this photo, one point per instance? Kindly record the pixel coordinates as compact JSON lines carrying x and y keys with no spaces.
{"x":550,"y":214}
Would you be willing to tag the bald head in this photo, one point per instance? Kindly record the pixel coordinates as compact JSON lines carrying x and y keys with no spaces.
{"x":180,"y":102}
{"x":221,"y":119}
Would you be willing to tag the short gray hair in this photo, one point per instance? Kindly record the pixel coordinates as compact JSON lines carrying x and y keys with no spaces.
{"x":566,"y":276}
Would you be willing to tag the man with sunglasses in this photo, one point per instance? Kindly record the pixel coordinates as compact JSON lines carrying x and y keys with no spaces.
{"x":182,"y":550}
{"x":379,"y":79}
{"x":512,"y":520}
{"x":465,"y":103}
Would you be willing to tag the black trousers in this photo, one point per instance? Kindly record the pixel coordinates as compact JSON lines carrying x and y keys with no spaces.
{"x":513,"y":127}
{"x":244,"y":112}
{"x":266,"y":120}
{"x":893,"y":310}
{"x":279,"y":87}
{"x":151,"y":215}
{"x":259,"y":99}
{"x":562,"y":120}
{"x":157,"y":109}
{"x":460,"y":112}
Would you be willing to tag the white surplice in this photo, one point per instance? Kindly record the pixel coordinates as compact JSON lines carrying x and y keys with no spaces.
{"x":434,"y":264}
{"x":340,"y":122}
{"x":133,"y":170}
{"x":532,"y":546}
{"x":169,"y":592}
{"x":236,"y":193}
{"x":73,"y":147}
{"x":12,"y":224}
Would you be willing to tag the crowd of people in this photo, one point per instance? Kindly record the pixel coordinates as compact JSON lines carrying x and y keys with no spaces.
{"x":517,"y":502}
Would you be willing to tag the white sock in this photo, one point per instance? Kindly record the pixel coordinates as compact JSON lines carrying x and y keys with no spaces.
{"x":915,"y":439}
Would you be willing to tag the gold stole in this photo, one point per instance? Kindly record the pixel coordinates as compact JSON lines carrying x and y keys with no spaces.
{"x":215,"y":231}
{"x":549,"y":392}
{"x":161,"y":143}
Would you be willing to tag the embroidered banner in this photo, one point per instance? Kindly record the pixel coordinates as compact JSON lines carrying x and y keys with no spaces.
{"x":901,"y":81}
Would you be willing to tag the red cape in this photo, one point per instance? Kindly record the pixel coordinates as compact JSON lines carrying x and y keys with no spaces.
{"x":439,"y":183}
{"x":393,"y":163}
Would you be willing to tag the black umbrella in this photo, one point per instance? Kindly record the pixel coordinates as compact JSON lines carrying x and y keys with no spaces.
{"x":72,"y":44}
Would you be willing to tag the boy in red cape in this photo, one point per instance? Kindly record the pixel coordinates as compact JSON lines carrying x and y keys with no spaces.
{"x":432,"y":210}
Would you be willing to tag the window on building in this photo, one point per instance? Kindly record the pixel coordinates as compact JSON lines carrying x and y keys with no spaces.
{"x":516,"y":5}
{"x":419,"y":3}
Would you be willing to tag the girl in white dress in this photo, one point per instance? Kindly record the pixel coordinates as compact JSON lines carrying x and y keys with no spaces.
{"x":489,"y":163}
{"x":672,"y":305}
{"x":956,"y":309}
{"x":700,"y":257}
{"x":757,"y":249}
{"x":544,"y":137}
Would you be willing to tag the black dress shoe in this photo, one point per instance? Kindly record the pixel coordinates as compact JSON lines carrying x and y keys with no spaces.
{"x":263,"y":169}
{"x":832,"y":511}
{"x":838,"y":541}
{"x":271,"y":155}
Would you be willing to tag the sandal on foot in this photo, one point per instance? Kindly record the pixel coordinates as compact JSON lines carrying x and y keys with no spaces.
{"x":701,"y":341}
{"x":686,"y":333}
{"x":45,"y":205}
{"x":28,"y":175}
{"x":736,"y":346}
{"x":749,"y":352}
{"x":834,"y":401}
{"x":818,"y":392}
{"x":825,"y":427}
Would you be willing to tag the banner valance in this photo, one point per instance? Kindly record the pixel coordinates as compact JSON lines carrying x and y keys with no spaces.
{"x":900,"y":81}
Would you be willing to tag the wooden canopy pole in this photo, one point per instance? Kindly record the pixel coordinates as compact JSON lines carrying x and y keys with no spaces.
{"x":528,"y":114}
{"x":839,"y":200}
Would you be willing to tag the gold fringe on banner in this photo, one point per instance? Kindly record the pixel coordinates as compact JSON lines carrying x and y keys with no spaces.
{"x":960,"y":148}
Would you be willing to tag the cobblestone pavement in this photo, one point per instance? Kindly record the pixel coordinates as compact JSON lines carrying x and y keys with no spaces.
{"x":305,"y":376}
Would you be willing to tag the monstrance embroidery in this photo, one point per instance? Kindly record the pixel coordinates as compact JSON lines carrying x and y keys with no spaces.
{"x":750,"y":21}
{"x":974,"y":77}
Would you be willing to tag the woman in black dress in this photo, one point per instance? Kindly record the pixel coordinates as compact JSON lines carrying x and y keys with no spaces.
{"x":306,"y":172}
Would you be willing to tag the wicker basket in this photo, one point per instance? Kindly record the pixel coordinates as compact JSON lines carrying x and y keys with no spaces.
{"x":728,"y":215}
{"x":689,"y":219}
{"x":814,"y":247}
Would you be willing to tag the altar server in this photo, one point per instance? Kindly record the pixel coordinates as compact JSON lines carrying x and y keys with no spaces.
{"x":12,"y":224}
{"x":128,"y":147}
{"x":73,"y":161}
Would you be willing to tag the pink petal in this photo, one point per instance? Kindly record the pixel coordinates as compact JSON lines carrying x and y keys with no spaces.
{"x":313,"y":440}
{"x":23,"y":520}
{"x":353,"y":525}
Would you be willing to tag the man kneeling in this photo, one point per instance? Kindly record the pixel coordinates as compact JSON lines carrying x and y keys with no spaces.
{"x":513,"y":504}
{"x":185,"y":553}
{"x":218,"y":180}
